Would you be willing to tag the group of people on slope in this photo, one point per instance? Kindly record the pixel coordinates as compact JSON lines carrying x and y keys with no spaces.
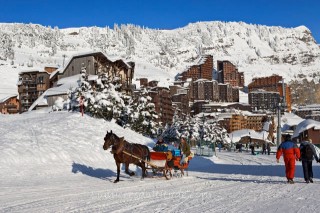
{"x":184,"y":147}
{"x":265,"y":148}
{"x":291,"y":153}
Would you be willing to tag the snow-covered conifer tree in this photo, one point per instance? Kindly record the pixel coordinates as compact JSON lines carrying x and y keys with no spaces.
{"x":144,"y":117}
{"x":102,"y":101}
{"x":171,"y":132}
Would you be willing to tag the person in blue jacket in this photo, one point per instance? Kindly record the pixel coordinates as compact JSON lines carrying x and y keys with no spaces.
{"x":308,"y":154}
{"x":160,"y":146}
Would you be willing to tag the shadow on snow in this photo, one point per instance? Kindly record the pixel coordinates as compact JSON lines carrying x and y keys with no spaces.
{"x":205,"y":165}
{"x":92,"y":172}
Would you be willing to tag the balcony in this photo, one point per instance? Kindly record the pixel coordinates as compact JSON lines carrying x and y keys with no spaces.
{"x":13,"y":110}
{"x":10,"y":106}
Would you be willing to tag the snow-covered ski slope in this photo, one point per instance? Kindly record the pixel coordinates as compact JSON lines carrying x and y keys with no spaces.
{"x":54,"y":162}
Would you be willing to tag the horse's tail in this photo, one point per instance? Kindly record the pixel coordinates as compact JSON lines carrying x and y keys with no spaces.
{"x":148,"y":153}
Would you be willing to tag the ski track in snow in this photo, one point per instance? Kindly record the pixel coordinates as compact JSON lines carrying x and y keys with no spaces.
{"x":55,"y":163}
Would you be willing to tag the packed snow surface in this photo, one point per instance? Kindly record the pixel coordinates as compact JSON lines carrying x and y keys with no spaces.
{"x":54,"y":162}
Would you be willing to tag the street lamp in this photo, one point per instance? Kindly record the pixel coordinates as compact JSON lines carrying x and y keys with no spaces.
{"x":249,"y":142}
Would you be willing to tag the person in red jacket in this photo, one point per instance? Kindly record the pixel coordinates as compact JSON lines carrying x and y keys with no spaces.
{"x":291,"y":154}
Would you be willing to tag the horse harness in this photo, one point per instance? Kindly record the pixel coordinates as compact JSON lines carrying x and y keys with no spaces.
{"x":127,"y":149}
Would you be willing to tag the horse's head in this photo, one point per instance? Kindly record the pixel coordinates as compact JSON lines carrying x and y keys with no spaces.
{"x":111,"y":139}
{"x":108,"y":140}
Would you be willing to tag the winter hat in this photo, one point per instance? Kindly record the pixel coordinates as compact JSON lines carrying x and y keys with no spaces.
{"x":287,"y":137}
{"x":160,"y":138}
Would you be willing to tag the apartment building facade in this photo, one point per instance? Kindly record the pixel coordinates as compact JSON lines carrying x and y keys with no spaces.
{"x":202,"y":69}
{"x":225,"y":92}
{"x":161,"y":98}
{"x":273,"y":83}
{"x":229,"y":74}
{"x":204,"y":89}
{"x":9,"y":105}
{"x":264,"y":100}
{"x":31,"y":85}
{"x":163,"y":104}
{"x":309,"y":112}
{"x":97,"y":63}
{"x":252,"y":121}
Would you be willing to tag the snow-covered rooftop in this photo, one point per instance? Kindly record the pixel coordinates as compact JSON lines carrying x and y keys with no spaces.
{"x":7,"y":97}
{"x":305,"y":125}
{"x":237,"y":135}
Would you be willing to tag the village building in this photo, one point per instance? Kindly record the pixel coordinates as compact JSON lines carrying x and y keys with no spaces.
{"x":182,"y":97}
{"x":31,"y":85}
{"x":161,"y":98}
{"x":273,"y":83}
{"x":229,"y":74}
{"x":202,"y":69}
{"x":95,"y":63}
{"x":232,"y":121}
{"x":226,"y":93}
{"x":209,"y":107}
{"x":9,"y":105}
{"x":309,"y":112}
{"x":307,"y":128}
{"x":261,"y":100}
{"x":204,"y":89}
{"x":163,"y":105}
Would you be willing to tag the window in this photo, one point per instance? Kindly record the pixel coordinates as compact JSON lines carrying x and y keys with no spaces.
{"x":40,"y":80}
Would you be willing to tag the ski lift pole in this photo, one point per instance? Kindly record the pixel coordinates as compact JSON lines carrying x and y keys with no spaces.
{"x":279,"y":125}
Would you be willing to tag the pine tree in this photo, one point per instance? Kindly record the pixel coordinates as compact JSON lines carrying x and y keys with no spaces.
{"x":173,"y":132}
{"x":102,"y":101}
{"x":170,"y":133}
{"x":74,"y":94}
{"x":144,"y":117}
{"x":124,"y":118}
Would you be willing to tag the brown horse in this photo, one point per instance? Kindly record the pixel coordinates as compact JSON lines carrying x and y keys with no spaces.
{"x":135,"y":150}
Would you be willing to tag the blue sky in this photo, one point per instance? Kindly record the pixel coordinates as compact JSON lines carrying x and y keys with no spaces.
{"x":162,"y":14}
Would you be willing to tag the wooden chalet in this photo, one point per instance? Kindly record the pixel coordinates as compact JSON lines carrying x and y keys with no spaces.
{"x":9,"y":105}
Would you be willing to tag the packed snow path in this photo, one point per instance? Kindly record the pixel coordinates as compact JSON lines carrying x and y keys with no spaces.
{"x":55,"y":163}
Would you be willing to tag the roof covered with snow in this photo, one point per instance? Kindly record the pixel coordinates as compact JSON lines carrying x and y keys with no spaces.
{"x":237,"y":135}
{"x":305,"y":125}
{"x":289,"y":120}
{"x":93,"y":53}
{"x":7,"y":98}
{"x":65,"y":84}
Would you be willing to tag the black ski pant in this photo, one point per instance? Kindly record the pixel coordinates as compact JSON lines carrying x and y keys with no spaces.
{"x":307,"y":169}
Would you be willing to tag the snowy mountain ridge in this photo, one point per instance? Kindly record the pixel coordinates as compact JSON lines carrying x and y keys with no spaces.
{"x":255,"y":49}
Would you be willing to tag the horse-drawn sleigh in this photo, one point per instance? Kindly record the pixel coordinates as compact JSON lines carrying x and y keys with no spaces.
{"x":140,"y":155}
